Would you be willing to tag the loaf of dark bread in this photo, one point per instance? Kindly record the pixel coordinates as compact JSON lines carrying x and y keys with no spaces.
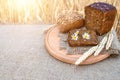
{"x":69,"y":21}
{"x":100,"y":17}
{"x":79,"y":37}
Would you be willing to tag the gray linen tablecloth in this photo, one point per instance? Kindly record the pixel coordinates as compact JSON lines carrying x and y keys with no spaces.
{"x":23,"y":57}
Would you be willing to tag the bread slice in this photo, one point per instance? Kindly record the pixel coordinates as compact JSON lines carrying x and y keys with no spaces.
{"x":79,"y":37}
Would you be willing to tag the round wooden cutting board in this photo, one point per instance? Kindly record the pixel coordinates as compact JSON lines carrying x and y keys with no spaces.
{"x":52,"y":45}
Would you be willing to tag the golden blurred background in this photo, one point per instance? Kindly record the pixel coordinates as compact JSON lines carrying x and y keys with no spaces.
{"x":42,"y":11}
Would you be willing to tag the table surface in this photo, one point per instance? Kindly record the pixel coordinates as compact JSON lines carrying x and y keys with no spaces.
{"x":23,"y":56}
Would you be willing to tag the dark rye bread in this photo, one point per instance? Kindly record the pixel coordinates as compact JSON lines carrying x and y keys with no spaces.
{"x":69,"y":21}
{"x":82,"y":41}
{"x":100,"y":17}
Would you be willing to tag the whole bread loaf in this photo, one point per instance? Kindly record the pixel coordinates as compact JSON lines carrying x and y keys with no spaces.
{"x":69,"y":21}
{"x":100,"y":17}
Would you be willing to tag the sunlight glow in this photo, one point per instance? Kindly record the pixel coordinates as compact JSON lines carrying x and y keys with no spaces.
{"x":20,"y":11}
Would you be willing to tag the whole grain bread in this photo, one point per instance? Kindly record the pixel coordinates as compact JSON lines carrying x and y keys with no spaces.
{"x":100,"y":17}
{"x":80,"y":37}
{"x":69,"y":21}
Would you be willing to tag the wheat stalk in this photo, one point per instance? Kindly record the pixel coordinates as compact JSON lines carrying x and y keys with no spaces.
{"x":42,"y":10}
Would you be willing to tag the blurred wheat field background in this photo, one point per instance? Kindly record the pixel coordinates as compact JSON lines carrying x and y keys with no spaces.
{"x":43,"y":11}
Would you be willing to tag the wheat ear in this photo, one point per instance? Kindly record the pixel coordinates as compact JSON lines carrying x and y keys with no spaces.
{"x":85,"y":55}
{"x":110,"y":40}
{"x":101,"y":45}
